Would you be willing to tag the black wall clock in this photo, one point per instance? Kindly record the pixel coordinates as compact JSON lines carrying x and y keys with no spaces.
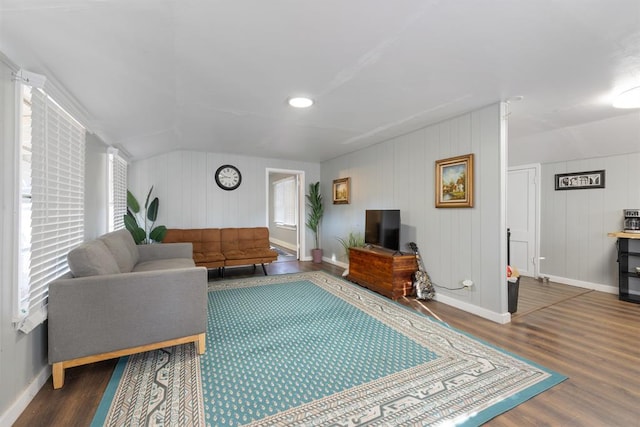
{"x":228,"y":177}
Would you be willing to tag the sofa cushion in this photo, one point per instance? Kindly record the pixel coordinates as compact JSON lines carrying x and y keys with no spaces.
{"x":252,"y":254}
{"x":123,"y":248}
{"x":164,"y":264}
{"x":92,"y":258}
{"x":206,"y":244}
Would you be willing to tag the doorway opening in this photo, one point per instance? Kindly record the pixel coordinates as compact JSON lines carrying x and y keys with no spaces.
{"x":523,"y":218}
{"x":285,"y":211}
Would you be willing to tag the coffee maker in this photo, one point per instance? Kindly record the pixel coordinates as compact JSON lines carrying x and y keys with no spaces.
{"x":631,"y":220}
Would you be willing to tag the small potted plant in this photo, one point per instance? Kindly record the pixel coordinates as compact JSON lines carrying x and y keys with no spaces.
{"x":355,"y":240}
{"x":316,"y":211}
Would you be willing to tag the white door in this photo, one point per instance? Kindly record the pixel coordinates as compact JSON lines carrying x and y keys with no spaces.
{"x":522,"y":218}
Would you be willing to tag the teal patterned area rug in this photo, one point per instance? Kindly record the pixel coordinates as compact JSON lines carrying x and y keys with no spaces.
{"x":312,"y":349}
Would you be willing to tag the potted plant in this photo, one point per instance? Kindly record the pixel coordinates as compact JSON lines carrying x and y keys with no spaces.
{"x":316,"y":210}
{"x":355,"y":240}
{"x":147,"y":233}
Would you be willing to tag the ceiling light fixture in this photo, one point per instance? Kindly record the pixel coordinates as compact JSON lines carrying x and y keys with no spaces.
{"x":300,"y":102}
{"x":628,"y":99}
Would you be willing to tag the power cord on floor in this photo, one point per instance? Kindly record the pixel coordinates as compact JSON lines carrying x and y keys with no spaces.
{"x":430,"y":312}
{"x":444,"y":287}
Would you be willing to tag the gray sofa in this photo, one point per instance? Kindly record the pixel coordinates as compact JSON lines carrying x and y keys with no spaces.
{"x":121,"y":299}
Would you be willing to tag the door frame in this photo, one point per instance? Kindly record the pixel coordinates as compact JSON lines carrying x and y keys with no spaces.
{"x":300,"y":180}
{"x":536,"y":211}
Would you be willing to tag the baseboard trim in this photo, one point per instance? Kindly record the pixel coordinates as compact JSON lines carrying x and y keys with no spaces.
{"x":336,"y":262}
{"x":282,"y":243}
{"x":582,"y":284}
{"x":501,"y":318}
{"x":17,"y":408}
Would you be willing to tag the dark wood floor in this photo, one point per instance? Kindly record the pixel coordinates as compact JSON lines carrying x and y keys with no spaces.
{"x":591,"y":337}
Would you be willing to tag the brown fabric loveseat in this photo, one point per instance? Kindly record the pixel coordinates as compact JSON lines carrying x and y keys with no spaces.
{"x":226,"y":247}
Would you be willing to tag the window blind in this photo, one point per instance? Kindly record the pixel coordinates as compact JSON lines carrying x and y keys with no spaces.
{"x":285,"y":202}
{"x":117,"y":190}
{"x":54,"y":201}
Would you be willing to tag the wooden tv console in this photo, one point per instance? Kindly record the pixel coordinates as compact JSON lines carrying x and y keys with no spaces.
{"x":382,"y":271}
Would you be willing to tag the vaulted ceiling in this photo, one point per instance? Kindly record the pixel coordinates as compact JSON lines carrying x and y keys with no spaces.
{"x":160,"y":75}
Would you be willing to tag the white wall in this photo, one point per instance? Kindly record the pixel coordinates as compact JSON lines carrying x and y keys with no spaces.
{"x":189,"y":197}
{"x":575,"y":223}
{"x":456,"y":244}
{"x":96,"y":192}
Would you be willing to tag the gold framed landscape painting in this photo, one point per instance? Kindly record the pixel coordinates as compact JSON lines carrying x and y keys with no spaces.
{"x":341,"y":191}
{"x":454,"y":182}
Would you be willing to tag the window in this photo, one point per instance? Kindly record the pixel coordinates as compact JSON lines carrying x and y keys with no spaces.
{"x":117,"y":190}
{"x":285,"y":202}
{"x":51,"y":218}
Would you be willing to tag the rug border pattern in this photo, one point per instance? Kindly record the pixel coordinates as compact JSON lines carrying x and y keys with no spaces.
{"x":159,"y":387}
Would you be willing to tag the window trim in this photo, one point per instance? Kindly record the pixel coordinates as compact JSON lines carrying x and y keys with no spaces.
{"x":59,"y":173}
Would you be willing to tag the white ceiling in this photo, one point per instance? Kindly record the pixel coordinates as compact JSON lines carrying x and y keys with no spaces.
{"x":159,"y":75}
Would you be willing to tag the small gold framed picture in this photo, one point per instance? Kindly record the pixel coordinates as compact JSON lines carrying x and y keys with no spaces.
{"x":341,"y":191}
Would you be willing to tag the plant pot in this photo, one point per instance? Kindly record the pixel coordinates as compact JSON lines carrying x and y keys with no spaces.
{"x":316,"y":255}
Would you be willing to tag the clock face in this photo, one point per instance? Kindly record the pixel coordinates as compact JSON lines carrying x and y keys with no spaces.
{"x":228,"y":177}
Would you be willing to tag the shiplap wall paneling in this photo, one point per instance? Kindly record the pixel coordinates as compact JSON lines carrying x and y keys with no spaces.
{"x":553,"y":222}
{"x":189,"y":197}
{"x":400,"y":174}
{"x":336,"y":216}
{"x":414,"y":195}
{"x":575,"y":223}
{"x":616,"y":198}
{"x":429,"y":223}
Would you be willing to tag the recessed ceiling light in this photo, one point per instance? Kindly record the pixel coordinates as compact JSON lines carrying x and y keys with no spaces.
{"x":628,"y":99}
{"x":300,"y":102}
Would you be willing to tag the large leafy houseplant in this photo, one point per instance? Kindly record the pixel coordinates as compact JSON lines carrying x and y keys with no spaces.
{"x":316,"y":211}
{"x":143,"y":232}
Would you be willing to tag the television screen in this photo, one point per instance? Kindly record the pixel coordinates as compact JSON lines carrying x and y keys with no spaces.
{"x":382,"y":228}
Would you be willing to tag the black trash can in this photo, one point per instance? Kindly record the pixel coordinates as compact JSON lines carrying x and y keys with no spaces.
{"x":512,"y":294}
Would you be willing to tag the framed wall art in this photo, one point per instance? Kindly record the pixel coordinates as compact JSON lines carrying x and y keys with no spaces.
{"x":454,"y":182}
{"x":341,"y":191}
{"x":580,"y":180}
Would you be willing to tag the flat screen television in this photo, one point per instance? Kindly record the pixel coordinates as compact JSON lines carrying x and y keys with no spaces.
{"x":382,"y":228}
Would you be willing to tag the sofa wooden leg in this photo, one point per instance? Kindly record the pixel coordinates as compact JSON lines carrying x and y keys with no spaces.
{"x":264,"y":269}
{"x":201,"y":344}
{"x":58,"y":375}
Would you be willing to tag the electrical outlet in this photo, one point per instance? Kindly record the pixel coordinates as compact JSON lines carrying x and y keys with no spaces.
{"x":467,"y":284}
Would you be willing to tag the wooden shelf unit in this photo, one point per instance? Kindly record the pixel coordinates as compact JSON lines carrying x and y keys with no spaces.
{"x":383,"y":271}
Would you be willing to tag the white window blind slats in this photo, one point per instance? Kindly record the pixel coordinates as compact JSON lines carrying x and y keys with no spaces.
{"x":55,"y":199}
{"x":117,"y":190}
{"x":285,"y":202}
